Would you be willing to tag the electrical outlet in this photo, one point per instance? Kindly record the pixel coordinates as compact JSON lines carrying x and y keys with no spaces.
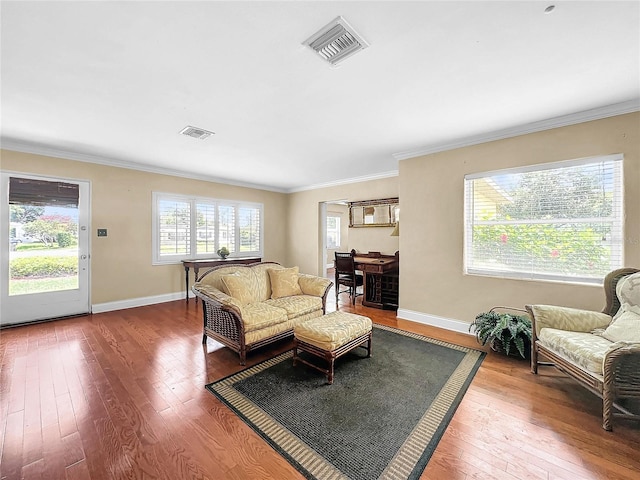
{"x":102,"y":232}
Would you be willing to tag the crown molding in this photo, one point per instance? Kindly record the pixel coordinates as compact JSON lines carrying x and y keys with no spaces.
{"x":22,"y":147}
{"x":346,"y":181}
{"x":556,"y":122}
{"x":9,"y":144}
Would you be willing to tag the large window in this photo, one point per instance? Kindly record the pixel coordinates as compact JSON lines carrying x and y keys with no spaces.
{"x":559,"y":221}
{"x":192,"y":227}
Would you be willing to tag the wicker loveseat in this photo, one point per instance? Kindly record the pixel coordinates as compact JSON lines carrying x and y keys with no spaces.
{"x":601,"y":350}
{"x":248,"y":306}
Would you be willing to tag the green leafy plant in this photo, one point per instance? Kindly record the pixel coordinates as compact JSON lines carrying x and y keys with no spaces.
{"x":64,"y":239}
{"x":43,"y":267}
{"x":503,"y":331}
{"x":223,"y":252}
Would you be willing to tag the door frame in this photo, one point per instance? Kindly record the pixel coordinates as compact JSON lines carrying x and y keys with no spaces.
{"x":84,"y":220}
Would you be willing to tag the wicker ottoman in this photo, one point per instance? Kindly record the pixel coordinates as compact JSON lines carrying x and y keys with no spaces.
{"x":330,"y":337}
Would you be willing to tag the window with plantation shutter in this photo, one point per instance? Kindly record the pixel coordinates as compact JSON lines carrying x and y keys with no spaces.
{"x":206,"y":225}
{"x":174,"y":229}
{"x":250,"y":219}
{"x":195,"y":227}
{"x":227,"y":227}
{"x":560,"y":221}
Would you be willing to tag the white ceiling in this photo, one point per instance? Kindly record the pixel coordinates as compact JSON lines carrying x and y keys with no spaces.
{"x":115,"y":82}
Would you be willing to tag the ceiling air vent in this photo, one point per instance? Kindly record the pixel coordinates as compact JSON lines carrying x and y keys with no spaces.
{"x":336,"y":41}
{"x":196,"y":132}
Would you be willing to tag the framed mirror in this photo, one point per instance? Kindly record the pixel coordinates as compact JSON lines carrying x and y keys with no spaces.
{"x":374,"y":213}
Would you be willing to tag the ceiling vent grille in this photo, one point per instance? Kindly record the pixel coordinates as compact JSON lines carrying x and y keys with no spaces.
{"x":196,"y":132}
{"x":336,"y":41}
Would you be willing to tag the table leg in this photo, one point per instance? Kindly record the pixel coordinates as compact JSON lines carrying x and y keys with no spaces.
{"x":195,"y":279}
{"x":186,"y":281}
{"x":372,"y":290}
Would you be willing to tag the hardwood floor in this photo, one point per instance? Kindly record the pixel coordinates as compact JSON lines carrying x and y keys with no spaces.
{"x":120,"y":395}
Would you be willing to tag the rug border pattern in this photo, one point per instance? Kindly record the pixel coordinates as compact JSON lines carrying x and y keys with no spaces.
{"x":411,"y":458}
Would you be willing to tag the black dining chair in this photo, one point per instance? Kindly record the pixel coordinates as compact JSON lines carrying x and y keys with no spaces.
{"x":346,"y":275}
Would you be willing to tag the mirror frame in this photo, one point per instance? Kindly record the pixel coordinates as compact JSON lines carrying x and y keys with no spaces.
{"x":382,"y":213}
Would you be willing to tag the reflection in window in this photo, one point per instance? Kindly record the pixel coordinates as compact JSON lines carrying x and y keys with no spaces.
{"x":559,"y":221}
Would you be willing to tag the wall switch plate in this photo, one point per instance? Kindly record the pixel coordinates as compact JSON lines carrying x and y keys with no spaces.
{"x":102,"y":232}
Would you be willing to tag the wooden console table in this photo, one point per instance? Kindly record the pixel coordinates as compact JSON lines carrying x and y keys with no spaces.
{"x":380,"y":279}
{"x":197,"y":264}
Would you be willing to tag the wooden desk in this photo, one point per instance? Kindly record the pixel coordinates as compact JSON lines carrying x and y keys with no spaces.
{"x":197,"y":264}
{"x":380,"y":280}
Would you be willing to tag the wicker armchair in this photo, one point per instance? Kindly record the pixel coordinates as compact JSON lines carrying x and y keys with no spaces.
{"x":575,"y":342}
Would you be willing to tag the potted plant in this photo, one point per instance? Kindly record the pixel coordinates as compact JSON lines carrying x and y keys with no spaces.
{"x":223,"y":252}
{"x":505,"y":332}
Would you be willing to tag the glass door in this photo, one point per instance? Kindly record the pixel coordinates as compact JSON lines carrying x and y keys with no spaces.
{"x":44,"y":272}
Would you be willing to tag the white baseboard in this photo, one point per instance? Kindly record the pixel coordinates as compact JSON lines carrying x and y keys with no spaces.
{"x":137,"y":302}
{"x":418,"y":317}
{"x":434,"y":321}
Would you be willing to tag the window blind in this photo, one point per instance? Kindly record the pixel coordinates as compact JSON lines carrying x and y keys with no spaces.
{"x":560,"y":221}
{"x":42,"y":193}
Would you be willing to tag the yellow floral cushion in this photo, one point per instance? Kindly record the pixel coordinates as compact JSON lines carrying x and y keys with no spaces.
{"x":263,"y":283}
{"x":258,"y":335}
{"x":257,"y":316}
{"x":284,"y":282}
{"x":584,"y":349}
{"x":297,"y":305}
{"x":313,"y":285}
{"x":331,"y":331}
{"x":240,"y":286}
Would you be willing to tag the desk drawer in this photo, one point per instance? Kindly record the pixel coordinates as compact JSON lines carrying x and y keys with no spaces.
{"x":372,"y":268}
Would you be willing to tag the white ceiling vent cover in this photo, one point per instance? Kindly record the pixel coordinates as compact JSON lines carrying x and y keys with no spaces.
{"x":196,"y":132}
{"x":336,"y":41}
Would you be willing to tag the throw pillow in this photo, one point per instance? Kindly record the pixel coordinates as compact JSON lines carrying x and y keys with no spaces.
{"x":239,"y":287}
{"x":284,"y":282}
{"x":628,"y":292}
{"x":626,"y":328}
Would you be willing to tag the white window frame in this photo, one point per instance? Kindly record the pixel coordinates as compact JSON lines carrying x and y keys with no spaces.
{"x":618,"y":218}
{"x":158,"y":259}
{"x":337,"y":230}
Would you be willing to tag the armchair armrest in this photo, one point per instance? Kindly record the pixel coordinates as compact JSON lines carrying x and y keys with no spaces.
{"x":227,"y":302}
{"x":621,"y":379}
{"x":565,"y":318}
{"x":314,"y":285}
{"x":623,"y":348}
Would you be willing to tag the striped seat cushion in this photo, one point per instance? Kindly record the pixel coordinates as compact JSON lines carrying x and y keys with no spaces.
{"x":331,"y":331}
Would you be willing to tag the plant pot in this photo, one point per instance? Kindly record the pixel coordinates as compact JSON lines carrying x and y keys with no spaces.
{"x":497,"y":346}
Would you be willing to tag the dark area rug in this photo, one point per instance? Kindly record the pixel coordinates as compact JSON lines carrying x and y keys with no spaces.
{"x":382,"y":417}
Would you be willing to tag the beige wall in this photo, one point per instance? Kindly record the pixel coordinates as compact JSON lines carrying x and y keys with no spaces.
{"x":431,"y":195}
{"x":304,"y":226}
{"x":431,"y":242}
{"x":121,"y":202}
